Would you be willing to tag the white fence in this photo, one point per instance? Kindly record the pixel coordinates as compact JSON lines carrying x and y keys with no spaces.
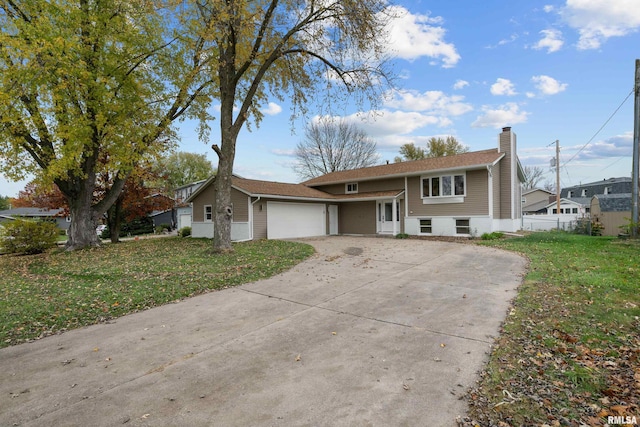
{"x":549,"y":222}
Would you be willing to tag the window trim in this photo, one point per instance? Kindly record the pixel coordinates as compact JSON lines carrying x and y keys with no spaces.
{"x":205,"y":213}
{"x":458,"y":227}
{"x":352,"y":190}
{"x":440,"y":179}
{"x":420,"y":226}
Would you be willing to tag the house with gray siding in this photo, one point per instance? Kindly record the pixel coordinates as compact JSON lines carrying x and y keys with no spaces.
{"x":56,"y":216}
{"x":461,"y":195}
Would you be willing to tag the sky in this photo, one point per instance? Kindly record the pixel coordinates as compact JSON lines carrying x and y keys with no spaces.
{"x":552,"y":70}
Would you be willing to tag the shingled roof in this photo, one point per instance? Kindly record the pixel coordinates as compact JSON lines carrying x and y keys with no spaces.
{"x":614,"y":202}
{"x":416,"y":167}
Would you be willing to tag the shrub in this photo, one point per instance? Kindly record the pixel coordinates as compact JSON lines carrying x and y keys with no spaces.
{"x":402,"y":236}
{"x":185,"y":232}
{"x":162,"y":228}
{"x":27,"y":237}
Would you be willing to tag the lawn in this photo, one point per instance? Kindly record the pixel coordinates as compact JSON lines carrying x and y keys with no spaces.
{"x":53,"y":292}
{"x":569,"y":350}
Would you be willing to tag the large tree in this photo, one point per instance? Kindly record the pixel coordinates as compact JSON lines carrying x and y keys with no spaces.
{"x":533,"y":174}
{"x":91,"y":86}
{"x":333,"y":144}
{"x":436,"y":147}
{"x":287,"y":48}
{"x":4,"y":202}
{"x":178,"y":169}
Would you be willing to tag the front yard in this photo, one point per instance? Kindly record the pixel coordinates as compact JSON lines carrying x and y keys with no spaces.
{"x":49,"y":293}
{"x":570,"y":347}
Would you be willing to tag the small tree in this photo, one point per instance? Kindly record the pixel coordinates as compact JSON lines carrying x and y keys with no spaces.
{"x":436,"y":147}
{"x":410,"y":152}
{"x":4,"y":202}
{"x":332,"y":145}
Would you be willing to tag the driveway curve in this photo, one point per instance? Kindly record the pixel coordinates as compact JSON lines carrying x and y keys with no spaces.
{"x":367,"y":332}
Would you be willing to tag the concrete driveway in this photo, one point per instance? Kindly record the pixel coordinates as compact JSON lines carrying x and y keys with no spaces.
{"x":368,"y":332}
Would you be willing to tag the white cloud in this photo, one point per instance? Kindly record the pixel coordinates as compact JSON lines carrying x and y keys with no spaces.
{"x":548,"y":85}
{"x":615,"y":146}
{"x":505,"y":115}
{"x":460,"y":84}
{"x":283,"y":153}
{"x":598,"y":20}
{"x":272,"y":109}
{"x":551,"y":40}
{"x":433,"y":101}
{"x":412,"y":36}
{"x":548,"y":8}
{"x":503,"y":87}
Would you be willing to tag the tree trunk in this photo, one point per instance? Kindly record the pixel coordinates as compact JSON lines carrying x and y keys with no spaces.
{"x":223,"y":209}
{"x":82,"y":232}
{"x":114,"y":220}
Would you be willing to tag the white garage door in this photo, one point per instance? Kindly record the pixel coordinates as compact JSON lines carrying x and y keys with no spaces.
{"x":290,"y":220}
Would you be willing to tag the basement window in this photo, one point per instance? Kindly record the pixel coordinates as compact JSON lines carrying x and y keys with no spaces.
{"x":425,"y":226}
{"x":462,"y":226}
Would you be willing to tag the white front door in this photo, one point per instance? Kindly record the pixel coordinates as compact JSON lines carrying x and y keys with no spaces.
{"x":333,"y":220}
{"x":386,"y":217}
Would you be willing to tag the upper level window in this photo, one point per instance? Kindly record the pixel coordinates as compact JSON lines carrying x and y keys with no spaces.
{"x":584,"y":193}
{"x":351,"y":187}
{"x":443,"y":186}
{"x":607,"y":190}
{"x":570,"y":194}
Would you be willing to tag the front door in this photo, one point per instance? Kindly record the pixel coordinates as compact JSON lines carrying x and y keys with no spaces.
{"x":386,"y":215}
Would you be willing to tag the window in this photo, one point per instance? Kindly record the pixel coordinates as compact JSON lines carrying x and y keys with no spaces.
{"x":443,"y":186}
{"x":68,"y":219}
{"x":555,"y":211}
{"x":425,"y":226}
{"x":574,"y":210}
{"x":570,"y":194}
{"x":607,"y":190}
{"x":351,"y":188}
{"x":208,"y":213}
{"x":584,"y":193}
{"x":462,"y":226}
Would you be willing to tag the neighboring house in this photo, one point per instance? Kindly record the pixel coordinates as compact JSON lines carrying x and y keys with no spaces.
{"x":54,"y":215}
{"x":535,"y":201}
{"x":164,"y":211}
{"x":612,"y":211}
{"x":461,"y":195}
{"x":576,"y":206}
{"x":606,"y":186}
{"x":183,"y":209}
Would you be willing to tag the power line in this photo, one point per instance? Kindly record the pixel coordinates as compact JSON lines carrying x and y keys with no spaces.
{"x":601,"y":127}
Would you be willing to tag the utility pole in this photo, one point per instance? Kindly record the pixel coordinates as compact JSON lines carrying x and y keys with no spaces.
{"x":558,"y":177}
{"x":636,"y":154}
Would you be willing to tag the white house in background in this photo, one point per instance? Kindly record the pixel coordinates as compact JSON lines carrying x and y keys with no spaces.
{"x":184,"y":210}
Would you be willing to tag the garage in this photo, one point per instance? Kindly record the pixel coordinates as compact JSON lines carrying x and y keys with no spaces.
{"x":291,"y":220}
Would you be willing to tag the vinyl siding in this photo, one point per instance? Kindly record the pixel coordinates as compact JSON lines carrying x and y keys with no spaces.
{"x":366,"y":186}
{"x":357,"y":218}
{"x":260,"y":219}
{"x":496,"y":191}
{"x":207,"y":197}
{"x":476,"y":201}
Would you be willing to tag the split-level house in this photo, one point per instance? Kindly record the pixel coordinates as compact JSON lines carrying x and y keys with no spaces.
{"x":462,"y":195}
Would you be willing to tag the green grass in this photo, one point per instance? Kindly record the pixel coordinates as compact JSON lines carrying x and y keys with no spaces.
{"x":48,"y":293}
{"x":568,"y":350}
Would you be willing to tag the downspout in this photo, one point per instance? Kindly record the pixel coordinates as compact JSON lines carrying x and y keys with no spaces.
{"x":251,"y":225}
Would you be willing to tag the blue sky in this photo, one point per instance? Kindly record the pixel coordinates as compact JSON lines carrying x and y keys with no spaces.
{"x":549,"y":69}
